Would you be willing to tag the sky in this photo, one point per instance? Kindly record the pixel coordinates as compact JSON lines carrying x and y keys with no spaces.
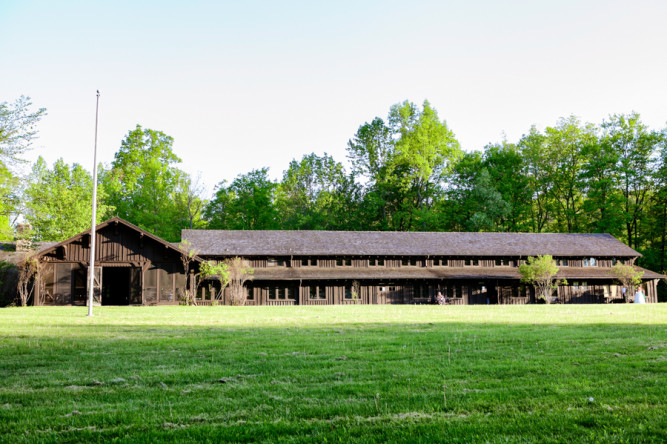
{"x":242,"y":85}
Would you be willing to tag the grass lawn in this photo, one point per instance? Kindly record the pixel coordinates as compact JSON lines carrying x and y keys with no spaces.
{"x":335,"y":374}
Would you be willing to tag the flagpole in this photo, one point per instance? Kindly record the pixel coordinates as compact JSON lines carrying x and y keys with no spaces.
{"x":91,"y":268}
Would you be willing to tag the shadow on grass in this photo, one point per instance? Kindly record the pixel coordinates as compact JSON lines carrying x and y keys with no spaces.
{"x":415,"y":376}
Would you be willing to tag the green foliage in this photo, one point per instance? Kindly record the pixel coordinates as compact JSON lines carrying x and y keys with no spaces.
{"x":18,"y":128}
{"x":59,"y":200}
{"x":541,"y":272}
{"x":406,"y":162}
{"x":239,"y":272}
{"x":627,"y":276}
{"x":334,"y":374}
{"x":315,"y":194}
{"x":145,"y":187}
{"x":218,"y":271}
{"x":247,"y":204}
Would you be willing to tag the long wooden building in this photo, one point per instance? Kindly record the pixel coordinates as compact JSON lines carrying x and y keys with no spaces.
{"x":335,"y":267}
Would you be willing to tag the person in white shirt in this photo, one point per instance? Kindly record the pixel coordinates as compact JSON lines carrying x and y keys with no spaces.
{"x":640,"y":298}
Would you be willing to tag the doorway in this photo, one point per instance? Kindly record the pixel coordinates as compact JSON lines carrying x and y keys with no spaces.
{"x":116,"y":285}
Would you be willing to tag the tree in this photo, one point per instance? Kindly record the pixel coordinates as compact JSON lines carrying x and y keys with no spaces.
{"x":218,"y":271}
{"x":628,"y":276}
{"x":635,"y":146}
{"x":188,"y":256}
{"x":28,"y":268}
{"x":603,"y":204}
{"x":314,"y":194}
{"x":507,"y":173}
{"x":541,"y":272}
{"x":58,"y":201}
{"x":18,"y":128}
{"x":370,"y":150}
{"x":239,"y":273}
{"x":406,"y":163}
{"x":532,"y":147}
{"x":189,"y":203}
{"x":143,"y":182}
{"x":565,"y":151}
{"x":248,"y":203}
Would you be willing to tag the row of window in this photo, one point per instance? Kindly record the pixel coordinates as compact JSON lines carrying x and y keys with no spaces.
{"x":315,"y":292}
{"x":413,"y":262}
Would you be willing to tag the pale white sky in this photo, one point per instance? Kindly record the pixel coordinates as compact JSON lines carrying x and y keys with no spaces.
{"x":247,"y":84}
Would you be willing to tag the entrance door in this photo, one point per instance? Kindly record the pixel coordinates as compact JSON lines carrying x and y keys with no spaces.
{"x":116,"y":285}
{"x":390,"y":294}
{"x":483,"y":293}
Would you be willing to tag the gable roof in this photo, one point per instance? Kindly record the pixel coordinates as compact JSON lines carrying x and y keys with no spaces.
{"x":348,"y":273}
{"x":50,"y":247}
{"x":383,"y":243}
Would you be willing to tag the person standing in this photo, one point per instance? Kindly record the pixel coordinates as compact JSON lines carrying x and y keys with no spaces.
{"x":640,"y":298}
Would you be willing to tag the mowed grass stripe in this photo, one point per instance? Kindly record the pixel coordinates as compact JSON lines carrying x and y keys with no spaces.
{"x":366,"y":373}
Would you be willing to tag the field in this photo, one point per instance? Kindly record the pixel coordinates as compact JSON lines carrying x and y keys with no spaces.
{"x":335,"y":374}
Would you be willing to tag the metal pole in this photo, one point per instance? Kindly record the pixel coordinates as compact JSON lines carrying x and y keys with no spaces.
{"x":91,"y":268}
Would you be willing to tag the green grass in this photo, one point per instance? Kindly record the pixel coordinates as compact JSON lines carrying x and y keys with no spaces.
{"x":335,"y":374}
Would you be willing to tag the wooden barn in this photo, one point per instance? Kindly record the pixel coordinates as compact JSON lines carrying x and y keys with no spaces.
{"x":351,"y":267}
{"x":134,"y":267}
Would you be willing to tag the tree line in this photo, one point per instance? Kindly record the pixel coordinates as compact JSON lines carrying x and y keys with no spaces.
{"x":407,"y":172}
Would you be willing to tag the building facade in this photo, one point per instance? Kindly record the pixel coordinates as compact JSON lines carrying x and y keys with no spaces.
{"x":134,"y":267}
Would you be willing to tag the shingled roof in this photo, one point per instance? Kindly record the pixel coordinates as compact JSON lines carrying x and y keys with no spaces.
{"x":383,"y":243}
{"x":314,"y":273}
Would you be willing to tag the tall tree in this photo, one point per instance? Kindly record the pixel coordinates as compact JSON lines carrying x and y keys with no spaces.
{"x":565,"y":144}
{"x":248,"y":203}
{"x":603,"y":204}
{"x":58,"y":200}
{"x":18,"y":129}
{"x":143,"y":182}
{"x":314,"y":193}
{"x":532,"y":147}
{"x":190,"y":203}
{"x":635,"y":146}
{"x":406,"y":163}
{"x":507,"y":173}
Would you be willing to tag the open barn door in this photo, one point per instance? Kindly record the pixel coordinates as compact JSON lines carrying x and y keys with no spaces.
{"x":97,"y":286}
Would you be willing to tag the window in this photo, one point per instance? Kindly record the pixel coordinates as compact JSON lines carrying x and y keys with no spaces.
{"x":372,"y":262}
{"x":251,"y":294}
{"x":562,"y":262}
{"x":421,"y":291}
{"x":347,"y":262}
{"x":405,"y":262}
{"x":271,"y":262}
{"x":593,"y":262}
{"x":586,"y":262}
{"x":317,"y":292}
{"x":467,"y":262}
{"x":339,"y":262}
{"x":584,"y":285}
{"x":281,"y":293}
{"x":575,"y":285}
{"x":348,"y":292}
{"x":380,"y":262}
{"x":614,"y":261}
